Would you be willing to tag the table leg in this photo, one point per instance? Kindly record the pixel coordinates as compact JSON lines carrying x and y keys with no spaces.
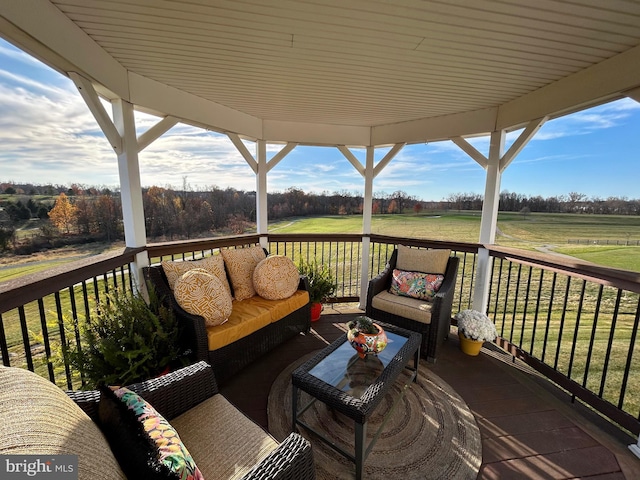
{"x":361,"y":434}
{"x":294,"y":407}
{"x":416,"y":362}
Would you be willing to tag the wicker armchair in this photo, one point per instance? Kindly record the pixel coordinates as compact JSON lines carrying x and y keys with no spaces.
{"x":437,"y":319}
{"x":178,"y":392}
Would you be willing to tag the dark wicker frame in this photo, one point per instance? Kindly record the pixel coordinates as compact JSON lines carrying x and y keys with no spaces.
{"x":437,"y":331}
{"x":230,"y":359}
{"x":179,"y":391}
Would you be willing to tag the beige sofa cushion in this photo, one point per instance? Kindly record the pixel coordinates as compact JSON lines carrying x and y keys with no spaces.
{"x":214,"y":264}
{"x":200,"y":293}
{"x":38,"y":418}
{"x":414,"y":309}
{"x":240,"y":263}
{"x":227,"y":444}
{"x":276,"y":278}
{"x":422,"y":260}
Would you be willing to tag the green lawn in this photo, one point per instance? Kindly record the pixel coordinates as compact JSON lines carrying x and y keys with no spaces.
{"x":530,"y":232}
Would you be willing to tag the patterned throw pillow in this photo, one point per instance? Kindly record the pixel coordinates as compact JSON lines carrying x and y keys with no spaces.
{"x":240,"y":263}
{"x":418,"y":285}
{"x":213,"y":264}
{"x":143,"y":442}
{"x":200,"y":293}
{"x":422,"y":260}
{"x":276,"y":277}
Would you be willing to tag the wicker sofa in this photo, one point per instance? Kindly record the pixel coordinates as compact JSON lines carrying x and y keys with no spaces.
{"x":227,"y":360}
{"x":37,"y":418}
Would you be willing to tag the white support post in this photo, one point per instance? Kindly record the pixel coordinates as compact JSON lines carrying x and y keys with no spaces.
{"x":489,"y":220}
{"x":635,"y":448}
{"x":262,"y":220}
{"x":130,"y":187}
{"x":366,"y":226}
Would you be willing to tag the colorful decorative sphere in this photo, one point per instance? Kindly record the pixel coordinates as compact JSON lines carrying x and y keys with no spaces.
{"x":367,"y":343}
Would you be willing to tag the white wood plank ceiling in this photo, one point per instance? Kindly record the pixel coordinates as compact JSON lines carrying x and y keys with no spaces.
{"x":366,"y":63}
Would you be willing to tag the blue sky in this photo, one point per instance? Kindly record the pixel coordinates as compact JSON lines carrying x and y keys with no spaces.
{"x":47,"y":135}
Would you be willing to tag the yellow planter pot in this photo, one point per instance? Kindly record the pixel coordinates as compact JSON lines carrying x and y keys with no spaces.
{"x":468,"y":346}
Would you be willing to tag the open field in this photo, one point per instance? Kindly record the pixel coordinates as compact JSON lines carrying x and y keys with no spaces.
{"x":546,"y":232}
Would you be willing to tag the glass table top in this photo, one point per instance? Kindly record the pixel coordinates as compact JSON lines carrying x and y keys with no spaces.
{"x":346,"y":371}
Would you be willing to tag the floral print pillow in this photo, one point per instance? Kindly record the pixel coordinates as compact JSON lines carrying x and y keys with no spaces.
{"x":422,"y":286}
{"x":143,"y":442}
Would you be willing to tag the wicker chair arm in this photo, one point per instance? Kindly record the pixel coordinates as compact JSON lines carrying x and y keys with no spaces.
{"x":382,"y":281}
{"x":170,"y":394}
{"x":178,"y":391}
{"x":292,"y":460}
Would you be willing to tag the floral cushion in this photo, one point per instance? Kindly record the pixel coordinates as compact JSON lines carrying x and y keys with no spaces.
{"x":214,"y":264}
{"x":422,"y":260}
{"x":200,"y":293}
{"x":418,"y":285}
{"x":144,"y":443}
{"x":276,"y":278}
{"x":240,"y":263}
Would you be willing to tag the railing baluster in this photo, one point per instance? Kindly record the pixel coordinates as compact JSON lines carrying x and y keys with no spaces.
{"x":548,"y":325}
{"x":506,"y":300}
{"x":526,"y":305}
{"x":535,"y":317}
{"x":562,"y":319}
{"x":4,"y":349}
{"x":25,"y":337}
{"x":576,"y":329}
{"x":45,"y":339}
{"x":607,"y":357}
{"x":593,"y":336}
{"x":63,"y":338}
{"x":627,"y":366}
{"x":515,"y":303}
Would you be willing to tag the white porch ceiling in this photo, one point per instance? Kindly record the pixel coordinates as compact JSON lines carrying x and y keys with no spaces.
{"x":341,"y":71}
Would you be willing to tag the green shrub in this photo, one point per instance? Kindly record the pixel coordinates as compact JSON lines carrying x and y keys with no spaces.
{"x":126,"y":341}
{"x":321,"y":281}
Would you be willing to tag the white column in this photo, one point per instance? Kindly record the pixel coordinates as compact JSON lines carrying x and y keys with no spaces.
{"x":262,"y":221}
{"x":488,"y":223}
{"x":130,"y":187}
{"x":366,"y":226}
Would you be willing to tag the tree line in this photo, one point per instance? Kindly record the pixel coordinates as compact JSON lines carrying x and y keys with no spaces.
{"x":77,"y":213}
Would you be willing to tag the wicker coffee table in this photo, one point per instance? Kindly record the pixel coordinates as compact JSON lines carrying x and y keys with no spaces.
{"x":353,"y":386}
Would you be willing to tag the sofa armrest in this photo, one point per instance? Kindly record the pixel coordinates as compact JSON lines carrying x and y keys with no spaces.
{"x":292,"y":460}
{"x":304,"y":283}
{"x":194,"y":332}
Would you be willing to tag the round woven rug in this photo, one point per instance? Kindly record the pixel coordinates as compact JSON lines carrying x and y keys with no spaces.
{"x":430,"y":434}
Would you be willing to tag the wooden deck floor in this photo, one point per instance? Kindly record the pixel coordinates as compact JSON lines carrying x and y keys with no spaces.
{"x":529,"y":429}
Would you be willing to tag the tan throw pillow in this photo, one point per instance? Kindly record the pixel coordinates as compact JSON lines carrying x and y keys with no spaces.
{"x":200,"y":293}
{"x":240,"y":263}
{"x":276,"y":277}
{"x":213,"y":264}
{"x":421,"y":260}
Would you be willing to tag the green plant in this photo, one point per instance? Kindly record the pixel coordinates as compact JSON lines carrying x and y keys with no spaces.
{"x":128,"y":340}
{"x":362,"y":324}
{"x":322,"y":284}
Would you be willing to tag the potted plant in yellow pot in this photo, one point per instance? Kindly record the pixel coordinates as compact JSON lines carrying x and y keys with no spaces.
{"x":474,"y":328}
{"x":322,"y":284}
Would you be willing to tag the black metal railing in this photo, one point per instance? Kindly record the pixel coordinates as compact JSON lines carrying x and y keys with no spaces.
{"x":575,"y":323}
{"x":40,"y":314}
